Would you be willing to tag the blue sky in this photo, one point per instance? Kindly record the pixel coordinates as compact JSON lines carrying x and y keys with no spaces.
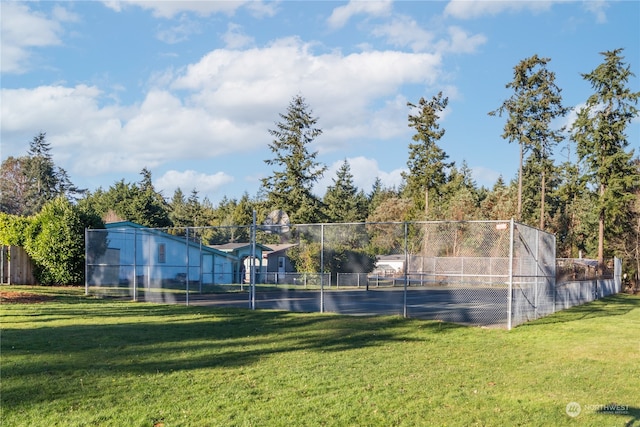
{"x":190,"y":89}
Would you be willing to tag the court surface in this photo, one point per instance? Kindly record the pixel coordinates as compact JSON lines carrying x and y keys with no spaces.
{"x":485,"y":306}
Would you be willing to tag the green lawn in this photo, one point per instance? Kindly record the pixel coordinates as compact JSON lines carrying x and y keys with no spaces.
{"x":78,"y":361}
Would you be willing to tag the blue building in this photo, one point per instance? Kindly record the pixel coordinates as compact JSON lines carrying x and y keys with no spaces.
{"x":156,"y":257}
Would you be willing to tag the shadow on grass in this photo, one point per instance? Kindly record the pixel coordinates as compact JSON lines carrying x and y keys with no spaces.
{"x":614,"y":305}
{"x":617,"y":410}
{"x":120,"y":339}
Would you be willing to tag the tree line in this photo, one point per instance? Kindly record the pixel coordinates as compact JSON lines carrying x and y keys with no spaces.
{"x":591,"y":201}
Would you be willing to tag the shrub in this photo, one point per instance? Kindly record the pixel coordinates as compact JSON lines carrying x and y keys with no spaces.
{"x":54,"y":239}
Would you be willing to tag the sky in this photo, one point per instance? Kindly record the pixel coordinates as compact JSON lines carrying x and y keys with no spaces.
{"x":190,"y":89}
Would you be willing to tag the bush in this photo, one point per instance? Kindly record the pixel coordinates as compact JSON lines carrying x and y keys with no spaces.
{"x":54,"y":239}
{"x":12,"y":229}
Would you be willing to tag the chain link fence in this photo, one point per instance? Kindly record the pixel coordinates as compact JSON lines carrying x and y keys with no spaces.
{"x":578,"y":281}
{"x":488,"y":273}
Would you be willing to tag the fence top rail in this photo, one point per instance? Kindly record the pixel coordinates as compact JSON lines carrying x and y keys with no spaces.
{"x":314,"y":224}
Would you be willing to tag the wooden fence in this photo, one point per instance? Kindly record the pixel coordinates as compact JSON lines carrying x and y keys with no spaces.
{"x":16,"y":268}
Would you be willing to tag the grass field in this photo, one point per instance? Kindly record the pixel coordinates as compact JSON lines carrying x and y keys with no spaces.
{"x":71,"y":360}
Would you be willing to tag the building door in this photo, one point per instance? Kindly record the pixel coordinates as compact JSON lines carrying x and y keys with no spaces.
{"x":207,"y":269}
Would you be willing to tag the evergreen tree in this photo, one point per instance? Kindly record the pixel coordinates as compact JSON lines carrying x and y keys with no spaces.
{"x":375,"y":196}
{"x":461,"y":195}
{"x":379,"y":194}
{"x":343,"y":202}
{"x":427,"y":161}
{"x":178,"y":209}
{"x":569,"y":210}
{"x":40,"y":171}
{"x":139,"y":203}
{"x":29,"y":182}
{"x":13,"y":185}
{"x":599,"y":132}
{"x":500,"y":203}
{"x":290,"y":187}
{"x":243,"y":217}
{"x":536,"y":102}
{"x":148,"y":206}
{"x":194,"y":210}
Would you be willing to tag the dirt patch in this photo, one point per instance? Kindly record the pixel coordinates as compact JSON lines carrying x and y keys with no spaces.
{"x":14,"y":297}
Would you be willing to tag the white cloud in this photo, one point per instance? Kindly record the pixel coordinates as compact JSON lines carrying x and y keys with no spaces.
{"x":235,"y":37}
{"x":23,"y":29}
{"x":189,"y":180}
{"x":461,"y":42}
{"x":179,"y":32}
{"x":169,"y":9}
{"x":404,"y":31}
{"x":341,"y":15}
{"x":90,"y":139}
{"x":50,"y":107}
{"x":251,"y":86}
{"x":365,"y":171}
{"x":470,"y":9}
{"x":597,"y":7}
{"x":60,"y":14}
{"x":261,"y":9}
{"x":222,"y":105}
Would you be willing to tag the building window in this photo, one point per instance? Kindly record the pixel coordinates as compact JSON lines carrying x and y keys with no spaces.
{"x":162,"y":253}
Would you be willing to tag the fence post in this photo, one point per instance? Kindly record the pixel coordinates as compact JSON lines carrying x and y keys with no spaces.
{"x":252,"y":275}
{"x":617,"y":275}
{"x":86,"y":261}
{"x":538,"y":269}
{"x":186,"y":234}
{"x":321,"y":268}
{"x":406,"y":270}
{"x":510,"y":292}
{"x":135,"y":264}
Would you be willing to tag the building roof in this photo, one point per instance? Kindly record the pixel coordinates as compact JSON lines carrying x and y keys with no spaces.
{"x":160,"y":232}
{"x":393,"y":257}
{"x":279,"y":247}
{"x":234,"y":247}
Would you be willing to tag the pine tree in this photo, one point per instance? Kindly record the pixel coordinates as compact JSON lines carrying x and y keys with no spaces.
{"x":536,"y":102}
{"x":139,"y":203}
{"x":500,"y":203}
{"x":427,"y":161}
{"x":194,"y":209}
{"x":41,"y":174}
{"x":290,"y":187}
{"x":148,"y":206}
{"x":178,"y":209}
{"x":13,"y":185}
{"x":342,"y":201}
{"x":599,"y":132}
{"x":461,"y":195}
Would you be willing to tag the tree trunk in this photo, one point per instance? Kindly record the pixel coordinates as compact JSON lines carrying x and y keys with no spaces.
{"x":542,"y":197}
{"x":601,"y":234}
{"x":426,"y":204}
{"x":520,"y":183}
